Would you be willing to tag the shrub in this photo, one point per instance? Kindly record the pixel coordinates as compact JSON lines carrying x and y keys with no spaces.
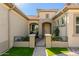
{"x":56,"y":32}
{"x":56,"y":38}
{"x":55,"y":35}
{"x":26,"y":38}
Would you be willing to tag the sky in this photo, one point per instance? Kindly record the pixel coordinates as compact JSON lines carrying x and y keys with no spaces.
{"x":31,"y":8}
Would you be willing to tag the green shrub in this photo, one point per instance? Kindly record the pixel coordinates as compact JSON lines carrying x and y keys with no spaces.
{"x":56,"y":32}
{"x":55,"y":35}
{"x":26,"y":38}
{"x":56,"y":38}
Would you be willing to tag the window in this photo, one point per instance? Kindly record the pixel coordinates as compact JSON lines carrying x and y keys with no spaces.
{"x":77,"y":25}
{"x":47,"y":15}
{"x":58,"y":22}
{"x":33,"y":27}
{"x":62,"y":20}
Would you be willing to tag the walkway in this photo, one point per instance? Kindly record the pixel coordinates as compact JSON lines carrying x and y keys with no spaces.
{"x":39,"y":51}
{"x":40,"y":43}
{"x":40,"y":48}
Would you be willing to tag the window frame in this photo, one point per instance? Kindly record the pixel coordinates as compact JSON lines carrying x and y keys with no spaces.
{"x":60,"y":21}
{"x":76,"y":25}
{"x":47,"y":16}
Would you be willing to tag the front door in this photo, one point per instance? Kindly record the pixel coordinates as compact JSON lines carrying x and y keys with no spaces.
{"x":47,"y":28}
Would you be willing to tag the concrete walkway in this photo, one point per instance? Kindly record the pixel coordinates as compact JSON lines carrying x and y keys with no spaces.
{"x":40,"y":43}
{"x":40,"y":48}
{"x":39,"y":51}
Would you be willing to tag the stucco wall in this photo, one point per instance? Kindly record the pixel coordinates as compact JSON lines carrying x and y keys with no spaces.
{"x":59,"y":44}
{"x":63,"y":31}
{"x":18,"y":26}
{"x":73,"y":39}
{"x":3,"y":28}
{"x":21,"y":44}
{"x":42,"y":15}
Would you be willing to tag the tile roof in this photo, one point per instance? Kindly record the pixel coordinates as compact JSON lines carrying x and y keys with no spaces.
{"x":10,"y":5}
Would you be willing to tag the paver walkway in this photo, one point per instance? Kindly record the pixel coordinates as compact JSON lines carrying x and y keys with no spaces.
{"x":40,"y":48}
{"x":40,"y":43}
{"x":39,"y":51}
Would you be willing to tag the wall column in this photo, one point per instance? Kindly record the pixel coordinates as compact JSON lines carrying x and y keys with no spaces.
{"x":48,"y":40}
{"x":40,"y":29}
{"x":32,"y":40}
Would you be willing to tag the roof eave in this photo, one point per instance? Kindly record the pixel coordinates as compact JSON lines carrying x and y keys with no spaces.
{"x":60,"y":12}
{"x":10,"y":5}
{"x":64,"y":10}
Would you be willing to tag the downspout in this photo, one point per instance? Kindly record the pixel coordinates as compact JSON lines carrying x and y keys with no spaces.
{"x":67,"y":28}
{"x":9,"y":25}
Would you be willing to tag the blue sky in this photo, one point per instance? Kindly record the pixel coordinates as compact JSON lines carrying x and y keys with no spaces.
{"x":31,"y":8}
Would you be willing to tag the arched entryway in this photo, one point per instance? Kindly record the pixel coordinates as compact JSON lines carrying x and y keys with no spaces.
{"x":33,"y":28}
{"x":46,"y":28}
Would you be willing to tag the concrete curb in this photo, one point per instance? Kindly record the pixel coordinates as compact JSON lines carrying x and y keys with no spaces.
{"x":33,"y":52}
{"x":46,"y":53}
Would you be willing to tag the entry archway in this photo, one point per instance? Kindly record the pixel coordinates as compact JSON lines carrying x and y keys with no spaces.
{"x":33,"y":28}
{"x":46,"y":28}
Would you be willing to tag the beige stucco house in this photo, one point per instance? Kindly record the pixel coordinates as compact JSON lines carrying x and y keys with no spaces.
{"x":13,"y":22}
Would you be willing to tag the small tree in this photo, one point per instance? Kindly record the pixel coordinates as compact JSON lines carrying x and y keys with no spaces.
{"x":56,"y":36}
{"x":57,"y":31}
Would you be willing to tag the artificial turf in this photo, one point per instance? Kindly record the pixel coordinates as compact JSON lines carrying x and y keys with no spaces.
{"x":55,"y":51}
{"x":19,"y":51}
